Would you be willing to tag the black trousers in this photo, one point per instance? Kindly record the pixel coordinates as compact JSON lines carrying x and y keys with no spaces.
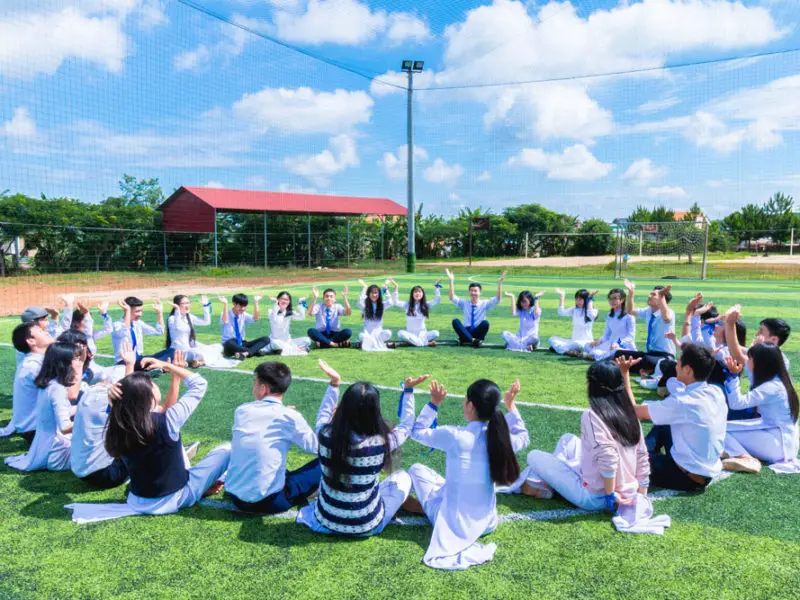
{"x":300,"y":484}
{"x":325,"y":340}
{"x":252,"y":347}
{"x":467,"y":334}
{"x":649,"y":359}
{"x":664,"y":471}
{"x":111,"y":476}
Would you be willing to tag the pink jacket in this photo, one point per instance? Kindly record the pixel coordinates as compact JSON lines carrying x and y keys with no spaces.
{"x":603,"y":456}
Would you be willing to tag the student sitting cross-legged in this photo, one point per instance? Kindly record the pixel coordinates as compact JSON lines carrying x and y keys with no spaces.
{"x":689,"y":424}
{"x":263,"y":432}
{"x":234,"y":321}
{"x":463,"y":506}
{"x":608,"y":465}
{"x":328,"y":332}
{"x":529,"y":313}
{"x":772,"y":436}
{"x":132,"y":329}
{"x":355,"y":444}
{"x":660,"y":320}
{"x":473,"y":329}
{"x":149,"y":443}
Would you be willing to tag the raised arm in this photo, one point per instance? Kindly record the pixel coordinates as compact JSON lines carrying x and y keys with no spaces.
{"x":314,"y":298}
{"x":686,"y":328}
{"x":179,"y":413}
{"x":513,"y":304}
{"x":500,"y":286}
{"x":629,"y":305}
{"x":159,"y":308}
{"x":406,"y":412}
{"x":126,"y":313}
{"x":205,"y":320}
{"x":730,"y":318}
{"x":347,"y":310}
{"x":451,"y":278}
{"x":666,"y":313}
{"x":331,"y":398}
{"x":440,"y":438}
{"x":625,"y":364}
{"x":256,"y":308}
{"x":537,"y":307}
{"x":224,"y":317}
{"x":516,"y":426}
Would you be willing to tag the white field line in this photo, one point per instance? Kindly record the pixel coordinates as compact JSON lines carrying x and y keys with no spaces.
{"x":380,"y":387}
{"x":538,"y":515}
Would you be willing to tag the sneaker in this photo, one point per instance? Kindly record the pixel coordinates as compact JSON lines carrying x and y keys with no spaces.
{"x":432,"y":344}
{"x":537,"y":489}
{"x":191,"y":450}
{"x":476,"y":343}
{"x":742,"y":464}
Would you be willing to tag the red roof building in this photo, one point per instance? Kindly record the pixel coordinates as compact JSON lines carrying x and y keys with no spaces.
{"x":194,"y":209}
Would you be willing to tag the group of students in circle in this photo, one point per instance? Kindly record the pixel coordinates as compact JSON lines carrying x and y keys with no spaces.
{"x":110,"y":425}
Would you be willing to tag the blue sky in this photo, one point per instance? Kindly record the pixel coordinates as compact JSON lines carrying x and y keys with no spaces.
{"x":91,"y":89}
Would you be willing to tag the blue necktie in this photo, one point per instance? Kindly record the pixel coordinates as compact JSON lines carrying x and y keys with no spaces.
{"x":650,"y":326}
{"x":236,"y":331}
{"x":473,"y":317}
{"x":133,"y":342}
{"x":327,"y":321}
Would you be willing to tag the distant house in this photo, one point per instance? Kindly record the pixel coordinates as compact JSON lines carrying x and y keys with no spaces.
{"x":680,"y":215}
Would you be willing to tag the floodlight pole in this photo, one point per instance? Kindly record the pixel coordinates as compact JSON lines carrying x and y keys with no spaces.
{"x":411,"y":264}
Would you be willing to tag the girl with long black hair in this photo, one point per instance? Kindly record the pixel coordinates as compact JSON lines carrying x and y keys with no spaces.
{"x":181,"y":334}
{"x":417,"y":312}
{"x":620,"y":330}
{"x":356,"y":443}
{"x":529,"y":313}
{"x":480,"y":455}
{"x":583,"y":314}
{"x":772,"y":437}
{"x":609,"y":464}
{"x":373,"y":337}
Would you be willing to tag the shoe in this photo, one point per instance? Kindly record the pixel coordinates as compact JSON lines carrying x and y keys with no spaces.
{"x":476,"y":343}
{"x":742,"y":464}
{"x":263,"y":352}
{"x":196,"y":364}
{"x":432,"y":344}
{"x":241,"y":355}
{"x":537,"y":489}
{"x":191,"y":450}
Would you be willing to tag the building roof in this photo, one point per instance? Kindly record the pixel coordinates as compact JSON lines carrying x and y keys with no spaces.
{"x":288,"y":203}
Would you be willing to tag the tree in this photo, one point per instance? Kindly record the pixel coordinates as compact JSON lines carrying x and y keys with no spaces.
{"x":597,"y":239}
{"x":779,"y":217}
{"x":694,"y":212}
{"x":641,"y":215}
{"x":543,"y":225}
{"x":662,"y":214}
{"x":141,"y":192}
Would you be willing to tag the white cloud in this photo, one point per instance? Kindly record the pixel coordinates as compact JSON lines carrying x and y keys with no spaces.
{"x":291,"y":188}
{"x":574,"y":163}
{"x":485,"y":176}
{"x":453,"y":197}
{"x":654,"y":106}
{"x":192,"y":59}
{"x":395,"y":166}
{"x":346,"y":22}
{"x":441,"y":172}
{"x":214,"y":184}
{"x":231,"y":44}
{"x":667,"y":192}
{"x":36,"y":42}
{"x":319,"y":168}
{"x":303,"y":110}
{"x":21,"y":125}
{"x":642,"y":172}
{"x":510,"y":40}
{"x":256,"y":181}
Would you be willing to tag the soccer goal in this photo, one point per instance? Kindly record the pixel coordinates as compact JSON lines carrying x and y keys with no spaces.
{"x":669,"y":250}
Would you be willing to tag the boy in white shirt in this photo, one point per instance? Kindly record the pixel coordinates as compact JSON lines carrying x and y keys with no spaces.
{"x":328,"y":332}
{"x":689,"y":424}
{"x":660,"y":321}
{"x":234,"y":321}
{"x":474,"y":328}
{"x":130,"y":328}
{"x":263,"y":432}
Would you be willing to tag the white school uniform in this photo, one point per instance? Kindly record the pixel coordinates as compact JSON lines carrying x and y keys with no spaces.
{"x":620,"y":331}
{"x":122,"y":333}
{"x":25,"y":395}
{"x":50,"y":447}
{"x":373,"y":337}
{"x":263,"y":432}
{"x":416,"y":333}
{"x":88,"y":452}
{"x":697,"y":415}
{"x":280,"y":336}
{"x":773,"y":437}
{"x":528,"y":334}
{"x":180,"y":334}
{"x":475,"y":314}
{"x":657,"y":328}
{"x":92,"y":335}
{"x":327,"y":317}
{"x":201,"y":476}
{"x":582,"y":331}
{"x":462,"y":507}
{"x":229,"y":331}
{"x":395,"y":488}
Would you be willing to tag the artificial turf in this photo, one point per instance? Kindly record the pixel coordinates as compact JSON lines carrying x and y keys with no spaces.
{"x":740,"y":539}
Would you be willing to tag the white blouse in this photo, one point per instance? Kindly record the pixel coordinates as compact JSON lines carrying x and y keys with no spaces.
{"x":373,"y":325}
{"x":581,"y":330}
{"x":469,"y":507}
{"x":279,"y":322}
{"x":179,"y":330}
{"x":416,"y":323}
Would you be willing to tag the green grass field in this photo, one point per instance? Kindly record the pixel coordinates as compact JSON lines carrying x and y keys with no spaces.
{"x":740,"y":539}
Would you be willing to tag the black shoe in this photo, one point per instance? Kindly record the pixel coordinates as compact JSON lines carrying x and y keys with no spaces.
{"x":476,"y":343}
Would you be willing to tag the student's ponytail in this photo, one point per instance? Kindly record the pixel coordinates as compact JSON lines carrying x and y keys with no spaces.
{"x":177,"y":300}
{"x":485,"y":396}
{"x":768,"y":363}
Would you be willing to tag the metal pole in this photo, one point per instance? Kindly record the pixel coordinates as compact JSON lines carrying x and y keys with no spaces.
{"x":526,"y":244}
{"x":216,"y":247}
{"x":265,"y":240}
{"x":347,"y":219}
{"x":641,"y":241}
{"x":791,"y":244}
{"x":411,"y":261}
{"x":704,"y":270}
{"x":470,"y":242}
{"x":164,"y":238}
{"x":309,"y":240}
{"x":383,"y":233}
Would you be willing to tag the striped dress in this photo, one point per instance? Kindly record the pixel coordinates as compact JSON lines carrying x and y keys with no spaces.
{"x":352,"y":505}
